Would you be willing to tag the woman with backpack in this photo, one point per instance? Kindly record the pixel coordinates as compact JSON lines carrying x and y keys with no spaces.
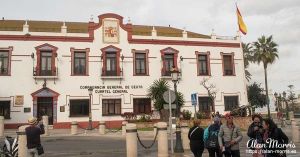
{"x":196,"y":139}
{"x":272,"y":132}
{"x":211,"y":138}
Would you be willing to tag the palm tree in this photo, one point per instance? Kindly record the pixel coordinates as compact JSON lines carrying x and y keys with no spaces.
{"x":248,"y":57}
{"x":156,"y":91}
{"x":266,"y":52}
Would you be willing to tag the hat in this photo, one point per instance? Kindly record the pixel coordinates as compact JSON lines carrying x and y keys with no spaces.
{"x":32,"y":121}
{"x":216,"y":119}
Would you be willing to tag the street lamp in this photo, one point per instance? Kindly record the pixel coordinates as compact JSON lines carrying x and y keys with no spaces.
{"x":178,"y":145}
{"x":276,"y":101}
{"x":286,"y":106}
{"x":90,"y":126}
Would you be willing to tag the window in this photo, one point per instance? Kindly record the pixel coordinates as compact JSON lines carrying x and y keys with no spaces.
{"x":111,"y":58}
{"x":111,"y":107}
{"x":5,"y":109}
{"x":228,"y":65}
{"x":203,"y":64}
{"x":46,"y":63}
{"x":46,"y":55}
{"x":169,"y":58}
{"x":141,"y":105}
{"x":79,"y":108}
{"x":140,"y":64}
{"x":111,"y":64}
{"x":231,"y":102}
{"x":79,"y":63}
{"x":204,"y":104}
{"x":4,"y":62}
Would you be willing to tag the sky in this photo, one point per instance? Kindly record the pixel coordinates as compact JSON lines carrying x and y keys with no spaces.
{"x":280,"y":18}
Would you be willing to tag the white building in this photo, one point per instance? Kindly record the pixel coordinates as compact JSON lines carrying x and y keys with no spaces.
{"x":120,"y":61}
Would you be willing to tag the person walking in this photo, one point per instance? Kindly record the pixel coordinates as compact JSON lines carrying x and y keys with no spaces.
{"x":211,"y":138}
{"x":229,"y":137}
{"x":271,"y":135}
{"x":195,"y":136}
{"x":33,"y":133}
{"x":255,"y":133}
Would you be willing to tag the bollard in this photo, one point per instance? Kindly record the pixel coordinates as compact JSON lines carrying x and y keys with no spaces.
{"x":295,"y":132}
{"x":22,"y":141}
{"x":1,"y":126}
{"x":124,"y":127}
{"x":131,"y":140}
{"x":162,"y":142}
{"x":74,"y":127}
{"x":102,"y":127}
{"x":184,"y":136}
{"x":45,"y":122}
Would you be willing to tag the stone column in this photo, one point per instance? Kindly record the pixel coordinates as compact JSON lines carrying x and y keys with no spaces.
{"x":102,"y":127}
{"x":184,"y":136}
{"x":22,"y":141}
{"x":291,"y":115}
{"x":1,"y":126}
{"x":131,"y":140}
{"x":162,"y":143}
{"x":74,"y":128}
{"x":296,"y":134}
{"x":124,"y":127}
{"x":45,"y":122}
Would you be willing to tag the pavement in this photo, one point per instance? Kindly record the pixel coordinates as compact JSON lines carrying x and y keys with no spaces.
{"x":90,"y":144}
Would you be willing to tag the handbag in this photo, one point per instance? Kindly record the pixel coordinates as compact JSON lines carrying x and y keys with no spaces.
{"x":40,"y":149}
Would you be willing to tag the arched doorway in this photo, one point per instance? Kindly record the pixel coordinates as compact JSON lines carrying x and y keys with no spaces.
{"x":45,"y":103}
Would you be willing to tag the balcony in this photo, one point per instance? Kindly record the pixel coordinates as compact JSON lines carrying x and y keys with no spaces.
{"x":45,"y":74}
{"x":167,"y":74}
{"x":111,"y":75}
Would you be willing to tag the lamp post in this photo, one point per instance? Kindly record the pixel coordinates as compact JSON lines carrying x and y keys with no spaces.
{"x":286,"y":105}
{"x":90,"y":126}
{"x":276,"y":101}
{"x":178,"y":146}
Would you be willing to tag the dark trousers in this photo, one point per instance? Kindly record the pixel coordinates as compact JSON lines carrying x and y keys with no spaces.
{"x":197,"y":149}
{"x":234,"y":153}
{"x":214,"y":152}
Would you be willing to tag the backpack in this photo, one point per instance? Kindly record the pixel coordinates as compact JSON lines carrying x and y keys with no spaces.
{"x":212,"y":140}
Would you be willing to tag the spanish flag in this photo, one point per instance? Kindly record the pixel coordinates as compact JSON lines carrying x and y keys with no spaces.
{"x":242,"y":25}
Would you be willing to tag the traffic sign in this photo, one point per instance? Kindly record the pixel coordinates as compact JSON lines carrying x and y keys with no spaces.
{"x":166,"y":96}
{"x":194,"y":99}
{"x":167,"y":107}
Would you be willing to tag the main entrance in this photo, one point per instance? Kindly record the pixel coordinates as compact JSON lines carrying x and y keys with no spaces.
{"x":45,"y":108}
{"x":45,"y":103}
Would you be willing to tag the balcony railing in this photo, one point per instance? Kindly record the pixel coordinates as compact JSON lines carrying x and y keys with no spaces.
{"x":167,"y":74}
{"x":111,"y":74}
{"x":42,"y":74}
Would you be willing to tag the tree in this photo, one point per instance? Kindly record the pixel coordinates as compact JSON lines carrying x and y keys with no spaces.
{"x":255,"y":96}
{"x":248,"y":57}
{"x":210,"y":88}
{"x":265,"y":51}
{"x":156,"y":91}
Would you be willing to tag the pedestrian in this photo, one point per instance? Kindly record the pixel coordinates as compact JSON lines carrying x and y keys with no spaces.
{"x":255,"y":133}
{"x":272,"y":135}
{"x":229,"y":137}
{"x":218,"y":114}
{"x":211,"y":138}
{"x":33,"y":133}
{"x":196,"y":139}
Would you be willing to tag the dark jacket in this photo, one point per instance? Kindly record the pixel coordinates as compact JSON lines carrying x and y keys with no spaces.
{"x":196,"y":137}
{"x":279,"y":135}
{"x":255,"y":135}
{"x":33,"y":135}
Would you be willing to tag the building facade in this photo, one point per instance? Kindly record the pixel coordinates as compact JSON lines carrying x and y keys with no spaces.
{"x":47,"y":67}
